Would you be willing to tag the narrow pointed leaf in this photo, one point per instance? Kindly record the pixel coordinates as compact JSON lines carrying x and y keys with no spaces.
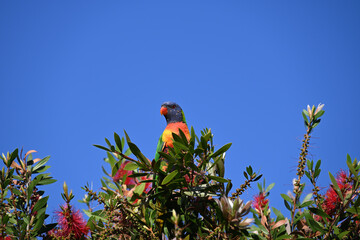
{"x":269,"y":187}
{"x":127,"y":137}
{"x":286,"y":197}
{"x":218,"y":179}
{"x":319,"y":212}
{"x":336,"y":186}
{"x":319,"y":114}
{"x":101,"y":147}
{"x":131,"y":166}
{"x":221,"y":150}
{"x":169,"y":177}
{"x":140,"y":189}
{"x":118,"y":141}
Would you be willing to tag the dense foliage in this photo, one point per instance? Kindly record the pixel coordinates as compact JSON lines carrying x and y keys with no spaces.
{"x":184,"y":195}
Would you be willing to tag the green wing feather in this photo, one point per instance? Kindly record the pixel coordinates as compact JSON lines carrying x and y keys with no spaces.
{"x":183,"y":116}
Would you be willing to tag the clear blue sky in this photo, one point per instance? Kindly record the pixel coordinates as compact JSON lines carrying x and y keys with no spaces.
{"x":73,"y":72}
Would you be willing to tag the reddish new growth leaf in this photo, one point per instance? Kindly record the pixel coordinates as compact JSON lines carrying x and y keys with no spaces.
{"x":332,"y":200}
{"x":260,"y":202}
{"x":71,"y":224}
{"x":122,"y":172}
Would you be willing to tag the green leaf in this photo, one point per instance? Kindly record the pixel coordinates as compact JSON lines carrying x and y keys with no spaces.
{"x":286,"y":197}
{"x":219,"y":163}
{"x":169,"y":177}
{"x":127,"y":137}
{"x":135,"y":175}
{"x":98,"y":215}
{"x":115,"y":168}
{"x":167,"y":157}
{"x":131,"y":166}
{"x":336,"y":186}
{"x":314,"y":225}
{"x":316,"y":122}
{"x":357,"y":202}
{"x":136,"y":151}
{"x":40,"y":204}
{"x":317,"y":172}
{"x":203,"y":143}
{"x":39,"y":223}
{"x":249,"y":170}
{"x":218,"y":179}
{"x":221,"y":150}
{"x":318,"y":163}
{"x":101,"y":147}
{"x":41,"y":169}
{"x":139,"y":189}
{"x":353,"y":210}
{"x":47,"y":181}
{"x":183,"y":137}
{"x":309,"y":164}
{"x":177,"y":138}
{"x":351,"y":167}
{"x":192,"y":132}
{"x":16,"y":191}
{"x":269,"y":187}
{"x":305,"y":204}
{"x":319,"y":114}
{"x":5,"y":219}
{"x":118,"y":141}
{"x":257,"y":178}
{"x":279,"y":215}
{"x":342,"y":234}
{"x":348,"y":158}
{"x":305,"y":114}
{"x":307,"y":198}
{"x":41,"y":163}
{"x":108,"y":143}
{"x":13,"y":155}
{"x":110,"y":159}
{"x":180,"y":146}
{"x":319,"y":212}
{"x":228,"y":187}
{"x":31,"y":186}
{"x":47,"y":228}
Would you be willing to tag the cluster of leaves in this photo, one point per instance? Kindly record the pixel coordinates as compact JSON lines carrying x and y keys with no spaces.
{"x":182,"y":201}
{"x":22,"y":204}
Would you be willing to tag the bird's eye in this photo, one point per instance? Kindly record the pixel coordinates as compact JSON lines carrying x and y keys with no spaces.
{"x":173,"y":106}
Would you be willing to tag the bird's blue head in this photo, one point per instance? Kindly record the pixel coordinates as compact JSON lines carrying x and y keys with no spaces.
{"x":172,"y":112}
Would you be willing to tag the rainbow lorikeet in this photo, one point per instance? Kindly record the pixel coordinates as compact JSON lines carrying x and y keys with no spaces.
{"x":175,"y":120}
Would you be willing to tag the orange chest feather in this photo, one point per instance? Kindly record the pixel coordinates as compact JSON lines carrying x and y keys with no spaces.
{"x":174,"y":128}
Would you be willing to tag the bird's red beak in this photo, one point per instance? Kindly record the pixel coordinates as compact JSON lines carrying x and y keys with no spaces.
{"x":163,"y":111}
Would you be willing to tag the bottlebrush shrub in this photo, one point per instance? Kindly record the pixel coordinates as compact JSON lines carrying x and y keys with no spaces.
{"x":184,"y":195}
{"x":172,"y":197}
{"x":22,"y":203}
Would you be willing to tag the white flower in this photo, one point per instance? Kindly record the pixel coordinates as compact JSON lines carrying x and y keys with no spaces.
{"x":309,"y":110}
{"x":319,"y":108}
